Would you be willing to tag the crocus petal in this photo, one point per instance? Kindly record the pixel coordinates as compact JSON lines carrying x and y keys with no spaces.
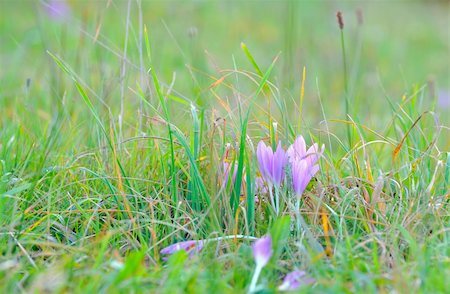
{"x":260,"y":155}
{"x":271,"y":164}
{"x":290,"y":153}
{"x":265,"y":160}
{"x":300,"y":146}
{"x":309,"y":174}
{"x":190,"y":246}
{"x":303,"y":163}
{"x":313,"y":170}
{"x":268,"y":162}
{"x":297,"y":150}
{"x":299,"y":174}
{"x":313,"y":154}
{"x":279,"y":161}
{"x":262,"y":250}
{"x":294,"y":280}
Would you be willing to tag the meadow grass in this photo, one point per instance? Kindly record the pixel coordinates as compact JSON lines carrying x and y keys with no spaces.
{"x":116,"y":120}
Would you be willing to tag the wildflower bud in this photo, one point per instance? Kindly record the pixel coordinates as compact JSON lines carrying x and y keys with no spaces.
{"x":295,"y":280}
{"x":340,"y":20}
{"x":191,"y":247}
{"x":262,"y":251}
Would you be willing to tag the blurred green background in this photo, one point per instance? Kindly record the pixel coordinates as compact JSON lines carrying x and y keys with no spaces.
{"x":399,"y":49}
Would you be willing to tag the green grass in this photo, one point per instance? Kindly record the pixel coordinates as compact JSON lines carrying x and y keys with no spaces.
{"x":105,"y":159}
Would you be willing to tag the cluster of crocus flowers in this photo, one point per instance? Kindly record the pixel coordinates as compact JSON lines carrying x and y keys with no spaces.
{"x":302,"y":162}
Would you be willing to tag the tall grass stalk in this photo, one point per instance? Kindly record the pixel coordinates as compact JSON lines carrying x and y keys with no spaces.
{"x":242,"y":146}
{"x":173,"y":178}
{"x":345,"y":77}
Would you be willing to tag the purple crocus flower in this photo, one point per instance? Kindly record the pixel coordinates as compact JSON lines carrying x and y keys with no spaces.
{"x":294,"y":280}
{"x":271,"y":164}
{"x":297,"y":151}
{"x":302,"y":174}
{"x":262,"y":251}
{"x":191,"y":247}
{"x":303,"y":163}
{"x":57,"y":9}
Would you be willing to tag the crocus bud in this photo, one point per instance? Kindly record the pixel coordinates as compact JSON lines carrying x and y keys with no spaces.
{"x":191,"y":247}
{"x":262,"y":251}
{"x":294,"y":280}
